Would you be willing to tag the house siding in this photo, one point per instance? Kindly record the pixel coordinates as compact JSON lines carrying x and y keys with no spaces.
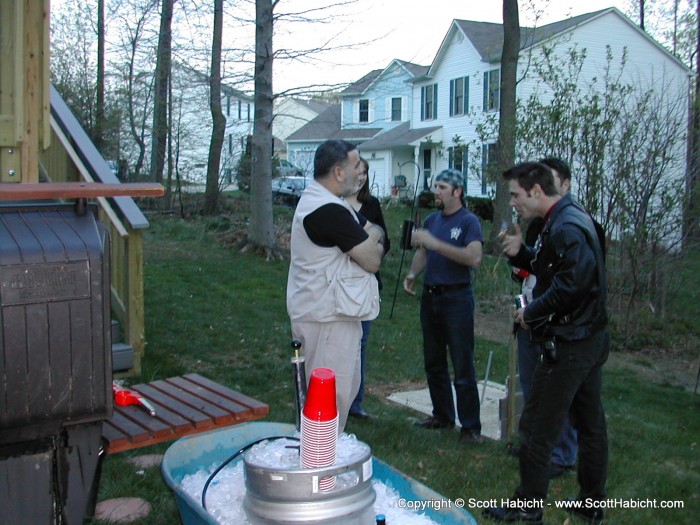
{"x":647,"y":65}
{"x":196,"y":125}
{"x":290,"y":115}
{"x":391,"y":83}
{"x":460,"y":59}
{"x":394,"y":81}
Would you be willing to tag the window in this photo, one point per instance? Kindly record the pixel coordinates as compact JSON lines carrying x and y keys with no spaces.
{"x":428,"y":102}
{"x":492,"y":90}
{"x":489,"y":159}
{"x":364,"y":110}
{"x":396,"y":109}
{"x":458,"y":159}
{"x":427,"y":170}
{"x":459,"y":96}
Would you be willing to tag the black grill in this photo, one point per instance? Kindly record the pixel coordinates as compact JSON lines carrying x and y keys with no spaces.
{"x":55,"y":360}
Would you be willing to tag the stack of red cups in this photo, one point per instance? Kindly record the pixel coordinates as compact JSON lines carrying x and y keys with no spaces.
{"x":319,"y":424}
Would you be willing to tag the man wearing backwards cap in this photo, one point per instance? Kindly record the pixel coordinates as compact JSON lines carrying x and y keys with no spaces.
{"x":447,"y":248}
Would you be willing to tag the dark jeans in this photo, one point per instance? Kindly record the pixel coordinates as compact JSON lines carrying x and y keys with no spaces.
{"x":570,"y":386}
{"x":529,"y":356}
{"x":360,"y":397}
{"x":448,"y":324}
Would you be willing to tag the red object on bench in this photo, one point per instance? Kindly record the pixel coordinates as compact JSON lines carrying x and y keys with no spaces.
{"x":184,"y":405}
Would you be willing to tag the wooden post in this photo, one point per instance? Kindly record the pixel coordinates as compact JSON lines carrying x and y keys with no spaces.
{"x":135,"y":326}
{"x":512,"y":388}
{"x":24,"y":88}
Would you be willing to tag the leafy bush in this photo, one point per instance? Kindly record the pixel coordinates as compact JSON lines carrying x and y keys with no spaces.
{"x":482,"y":207}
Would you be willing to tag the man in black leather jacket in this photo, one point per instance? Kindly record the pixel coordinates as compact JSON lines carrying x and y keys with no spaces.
{"x":568,"y":315}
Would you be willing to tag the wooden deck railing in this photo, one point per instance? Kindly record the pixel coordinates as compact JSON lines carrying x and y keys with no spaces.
{"x":73,"y":157}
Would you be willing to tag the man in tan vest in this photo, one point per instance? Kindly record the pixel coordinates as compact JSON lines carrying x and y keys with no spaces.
{"x":331,"y":286}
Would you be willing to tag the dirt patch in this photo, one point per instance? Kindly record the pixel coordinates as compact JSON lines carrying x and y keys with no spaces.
{"x":659,"y":366}
{"x":384,"y":390}
{"x":674,"y":367}
{"x":494,"y":327}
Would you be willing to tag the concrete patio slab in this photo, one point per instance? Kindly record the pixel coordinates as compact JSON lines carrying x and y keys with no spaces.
{"x":419,"y":400}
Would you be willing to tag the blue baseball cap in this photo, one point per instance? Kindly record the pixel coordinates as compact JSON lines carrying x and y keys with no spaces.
{"x":453,"y":177}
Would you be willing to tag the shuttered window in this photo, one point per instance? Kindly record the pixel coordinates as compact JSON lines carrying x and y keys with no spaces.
{"x":492,"y":90}
{"x":459,"y":96}
{"x":428,"y":102}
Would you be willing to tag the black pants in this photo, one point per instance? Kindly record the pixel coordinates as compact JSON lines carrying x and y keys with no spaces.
{"x":570,"y":386}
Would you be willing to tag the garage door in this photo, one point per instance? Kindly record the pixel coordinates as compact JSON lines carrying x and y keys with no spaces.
{"x":379,"y":186}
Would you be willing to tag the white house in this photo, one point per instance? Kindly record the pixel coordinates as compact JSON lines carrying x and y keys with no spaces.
{"x":379,"y":102}
{"x":453,"y":99}
{"x":193,"y":123}
{"x":290,"y":114}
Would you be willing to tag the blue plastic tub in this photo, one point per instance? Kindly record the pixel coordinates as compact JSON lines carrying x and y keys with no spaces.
{"x":191,"y":454}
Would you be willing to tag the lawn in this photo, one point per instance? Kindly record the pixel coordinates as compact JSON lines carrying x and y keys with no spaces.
{"x":219,"y":313}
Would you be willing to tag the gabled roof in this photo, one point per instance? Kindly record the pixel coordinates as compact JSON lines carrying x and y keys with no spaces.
{"x":414,"y":69}
{"x":401,"y":135}
{"x":487,"y":38}
{"x":313,"y":105}
{"x":327,"y":126}
{"x":359,"y":87}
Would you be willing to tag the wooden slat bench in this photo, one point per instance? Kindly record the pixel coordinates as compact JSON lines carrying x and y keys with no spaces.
{"x":184,"y":405}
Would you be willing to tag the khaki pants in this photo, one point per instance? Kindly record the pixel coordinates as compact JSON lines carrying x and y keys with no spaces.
{"x":334,"y":345}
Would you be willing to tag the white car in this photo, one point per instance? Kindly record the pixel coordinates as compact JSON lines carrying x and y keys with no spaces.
{"x":288,"y":190}
{"x":284,"y":168}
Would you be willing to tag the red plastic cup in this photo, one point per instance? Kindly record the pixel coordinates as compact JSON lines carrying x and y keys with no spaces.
{"x":320,"y":396}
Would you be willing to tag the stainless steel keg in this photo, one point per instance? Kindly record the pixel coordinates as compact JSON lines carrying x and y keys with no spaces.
{"x":276,"y":496}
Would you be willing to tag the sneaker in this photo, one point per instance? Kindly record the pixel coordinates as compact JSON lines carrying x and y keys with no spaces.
{"x":433,"y":422}
{"x":593,"y":516}
{"x":467,"y":437}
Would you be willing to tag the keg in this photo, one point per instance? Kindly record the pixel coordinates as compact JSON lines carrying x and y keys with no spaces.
{"x":277,"y":496}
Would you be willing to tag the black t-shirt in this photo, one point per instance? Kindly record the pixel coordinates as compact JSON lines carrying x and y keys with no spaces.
{"x":333,"y":225}
{"x":372,"y":210}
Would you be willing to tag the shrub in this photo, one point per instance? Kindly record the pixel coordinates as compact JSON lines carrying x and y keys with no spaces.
{"x":482,"y":207}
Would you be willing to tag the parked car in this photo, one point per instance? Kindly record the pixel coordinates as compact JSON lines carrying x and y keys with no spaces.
{"x":284,"y":168}
{"x":288,"y":190}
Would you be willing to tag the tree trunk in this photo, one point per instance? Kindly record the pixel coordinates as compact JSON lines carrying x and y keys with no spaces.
{"x":167,"y":198}
{"x":211,"y":197}
{"x":100,"y":96}
{"x":160,"y":99}
{"x":261,"y":235}
{"x":506,"y":129}
{"x":692,"y":185}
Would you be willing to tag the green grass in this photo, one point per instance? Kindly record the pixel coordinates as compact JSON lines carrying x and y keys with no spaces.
{"x":214,"y":311}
